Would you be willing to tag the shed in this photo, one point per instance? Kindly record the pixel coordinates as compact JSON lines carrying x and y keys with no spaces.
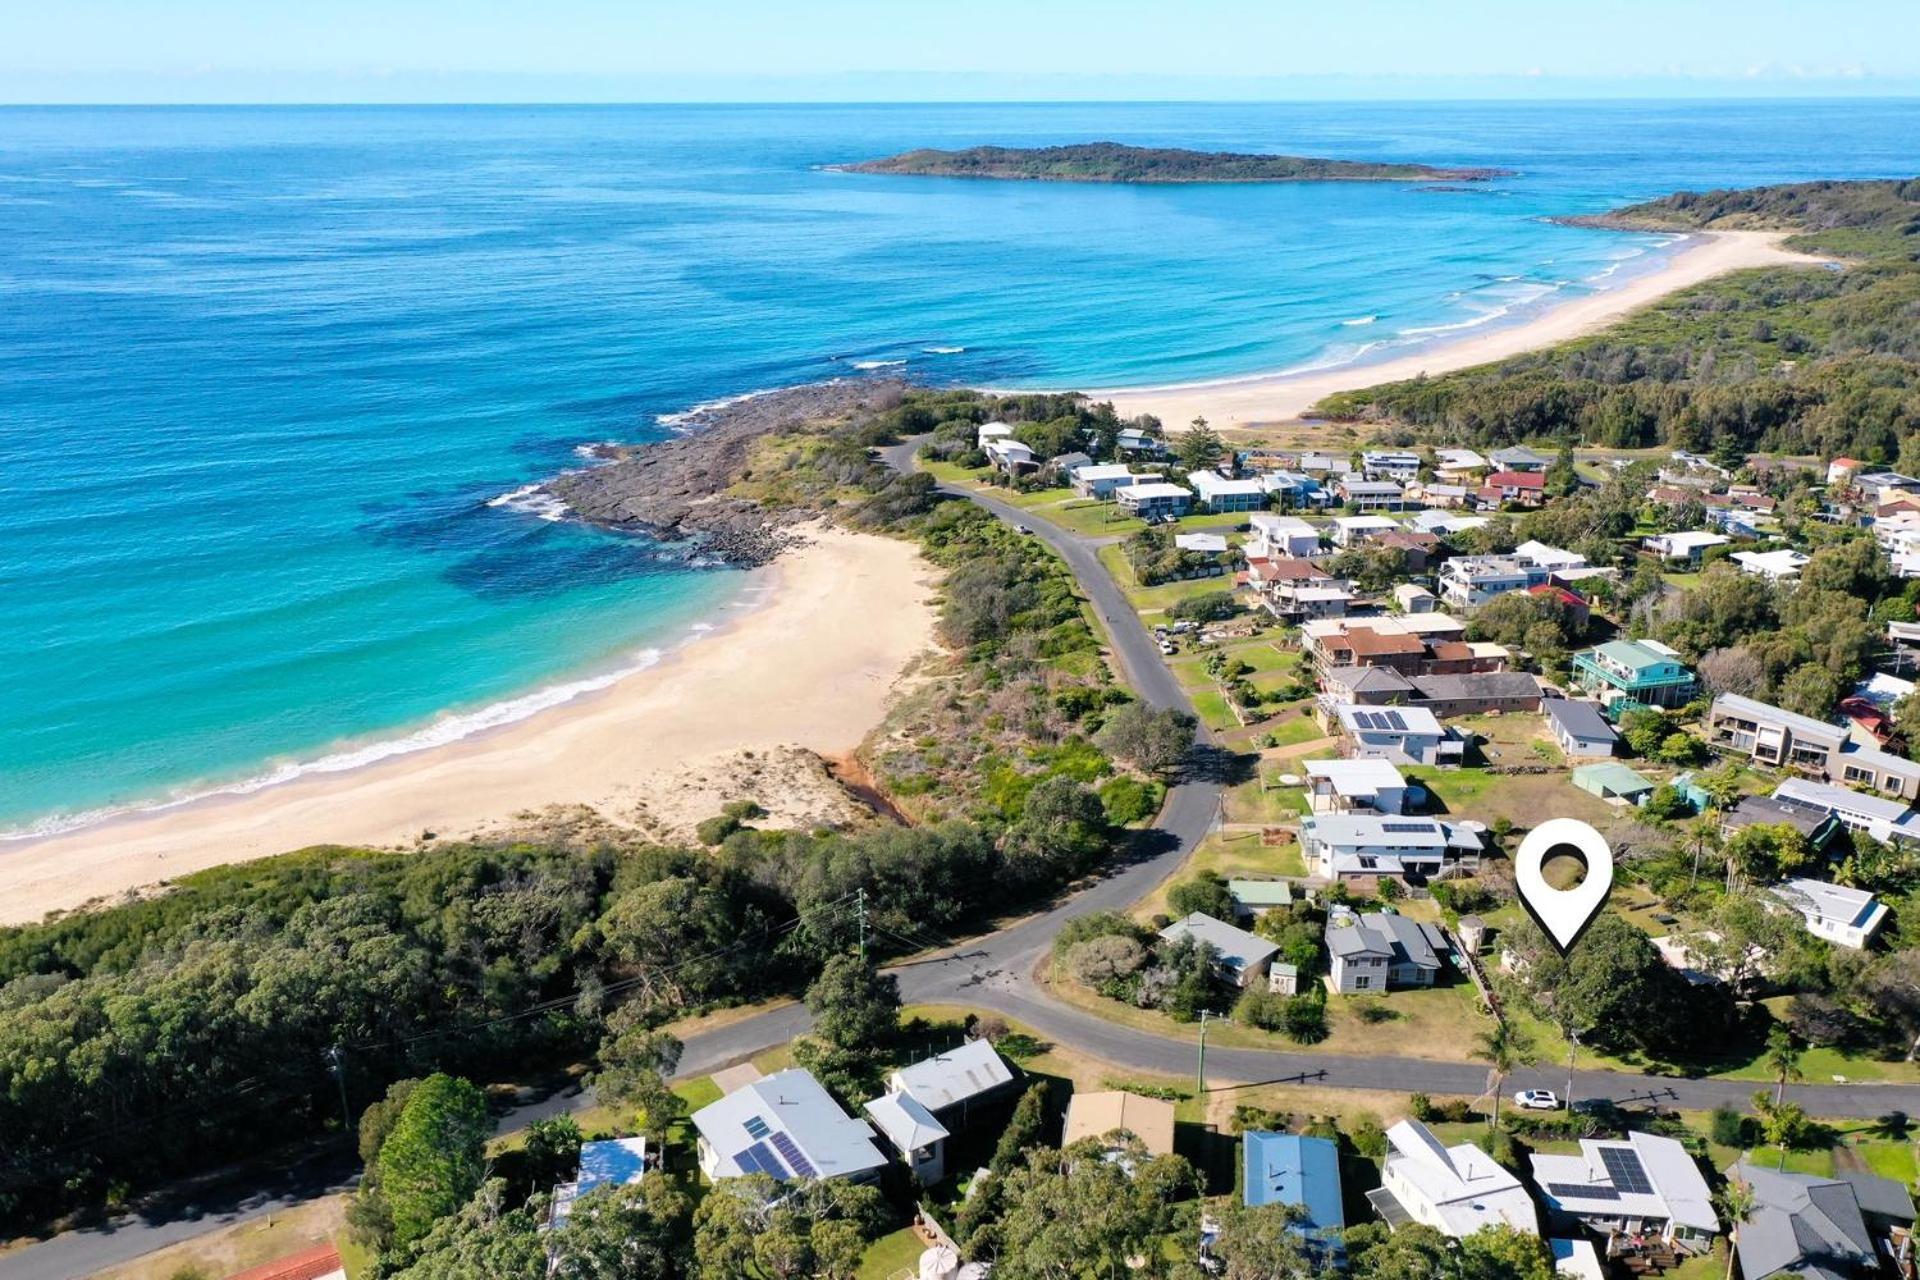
{"x":1611,"y":780}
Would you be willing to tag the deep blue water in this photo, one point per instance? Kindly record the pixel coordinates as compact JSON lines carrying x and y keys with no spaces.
{"x":263,"y":372}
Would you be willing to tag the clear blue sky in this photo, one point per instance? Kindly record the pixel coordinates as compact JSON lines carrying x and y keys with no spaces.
{"x":641,"y":50}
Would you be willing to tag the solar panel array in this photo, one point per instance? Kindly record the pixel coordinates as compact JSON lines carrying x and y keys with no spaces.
{"x":1380,"y":720}
{"x":757,"y":1159}
{"x":1624,"y":1170}
{"x":756,"y":1127}
{"x":1580,"y":1191}
{"x":796,"y":1160}
{"x":1406,"y":827}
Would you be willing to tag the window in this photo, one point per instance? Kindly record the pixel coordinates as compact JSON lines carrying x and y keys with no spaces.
{"x":1854,"y":773}
{"x":1359,"y":983}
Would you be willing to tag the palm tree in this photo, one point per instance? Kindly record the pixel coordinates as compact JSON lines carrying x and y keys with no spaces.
{"x":1735,"y":1202}
{"x":1505,"y":1049}
{"x":1783,"y":1059}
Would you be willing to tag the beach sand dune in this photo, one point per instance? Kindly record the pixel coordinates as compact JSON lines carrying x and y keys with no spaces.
{"x":1262,"y":400}
{"x":808,"y":672}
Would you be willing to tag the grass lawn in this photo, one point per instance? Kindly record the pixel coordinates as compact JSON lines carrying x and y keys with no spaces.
{"x":890,"y":1255}
{"x":1211,"y":706}
{"x":1522,"y":799}
{"x":1151,"y":602}
{"x":1291,"y":733}
{"x":1264,"y":801}
{"x":250,"y":1243}
{"x":1228,"y":854}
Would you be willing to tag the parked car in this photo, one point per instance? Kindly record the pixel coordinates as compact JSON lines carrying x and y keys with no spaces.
{"x":1537,"y":1100}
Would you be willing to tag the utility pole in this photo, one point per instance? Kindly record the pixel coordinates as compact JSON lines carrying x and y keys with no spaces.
{"x":860,"y":906}
{"x":337,"y":1064}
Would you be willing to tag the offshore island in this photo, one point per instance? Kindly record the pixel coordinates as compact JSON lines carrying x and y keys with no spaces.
{"x":1116,"y":162}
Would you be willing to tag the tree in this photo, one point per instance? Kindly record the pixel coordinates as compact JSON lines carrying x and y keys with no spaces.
{"x":1200,"y":449}
{"x":483,"y":1241}
{"x":754,"y":1226}
{"x":1413,"y":1252}
{"x":1783,"y":1060}
{"x":639,"y":1232}
{"x":1062,"y":832}
{"x":1765,"y":852}
{"x":1892,"y":988}
{"x":1722,"y":785}
{"x":1206,"y":893}
{"x":1734,"y":1201}
{"x":1732,"y":670}
{"x":1784,"y":1124}
{"x":1149,"y":738}
{"x":1262,"y":1243}
{"x":855,"y":1007}
{"x":1812,"y":691}
{"x":1504,"y":1049}
{"x":1071,"y":1214}
{"x":1099,"y":961}
{"x":1502,"y":1252}
{"x":435,"y":1158}
{"x":634,"y":1068}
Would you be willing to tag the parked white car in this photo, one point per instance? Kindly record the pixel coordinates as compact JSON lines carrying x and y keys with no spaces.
{"x":1537,"y":1100}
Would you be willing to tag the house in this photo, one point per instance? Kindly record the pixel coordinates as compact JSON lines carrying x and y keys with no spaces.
{"x":1298,"y":590}
{"x":1321,"y":464}
{"x":1547,"y":557}
{"x":1519,"y":458}
{"x":1382,"y":951}
{"x":1414,"y":547}
{"x":952,"y":1083}
{"x":1290,"y":1169}
{"x":1576,"y":1260}
{"x":1384,"y":464}
{"x":1095,"y":1115}
{"x":1061,"y":466}
{"x":1206,"y":544}
{"x":1363,"y":646}
{"x":1255,"y":898}
{"x":990,"y":432}
{"x":1611,"y":780}
{"x":1686,"y":547}
{"x":1882,"y":487}
{"x":1884,"y":819}
{"x":1643,"y":1184}
{"x":1355,"y":786}
{"x":1643,"y":671}
{"x":320,"y":1262}
{"x":1351,"y":531}
{"x":1455,"y":1190}
{"x":1806,"y":1227}
{"x":1582,"y":732}
{"x":788,"y":1126}
{"x":916,"y":1136}
{"x":616,"y":1162}
{"x":1349,"y":845}
{"x":1843,"y":916}
{"x":1470,"y":581}
{"x":1578,"y":610}
{"x":1785,"y":740}
{"x":1244,"y":956}
{"x":1528,"y":488}
{"x":1153,"y":499}
{"x":1216,"y":493}
{"x":1011,"y":456}
{"x":1840,"y":470}
{"x":1131,"y":440}
{"x":1445,"y":525}
{"x":1475,"y":693}
{"x":1279,"y":535}
{"x":1364,"y":686}
{"x":1099,"y":481}
{"x":1825,"y":833}
{"x":1458,"y":464}
{"x":1369,"y":495}
{"x":1411,"y":597}
{"x":1441,"y":494}
{"x":1775,"y":566}
{"x":1677,"y":951}
{"x":1399,"y":735}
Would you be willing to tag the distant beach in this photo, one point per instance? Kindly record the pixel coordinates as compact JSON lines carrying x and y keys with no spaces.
{"x":807,"y":671}
{"x":1283,"y":397}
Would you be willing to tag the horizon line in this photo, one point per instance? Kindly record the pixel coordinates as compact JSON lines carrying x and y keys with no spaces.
{"x":1501,"y":100}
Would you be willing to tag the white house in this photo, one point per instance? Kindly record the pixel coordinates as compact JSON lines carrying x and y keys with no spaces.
{"x":1458,"y":462}
{"x":991,"y":431}
{"x":1455,"y":1190}
{"x":1244,"y":956}
{"x":1351,"y":531}
{"x":1411,"y":597}
{"x":1444,"y":524}
{"x":1131,"y":440}
{"x":1548,"y":557}
{"x":1582,"y":732}
{"x":1154,"y":498}
{"x":1776,"y":566}
{"x":788,"y":1126}
{"x":1843,"y":916}
{"x":1355,"y":844}
{"x":1399,"y":735}
{"x":1010,"y":455}
{"x":1101,"y":479}
{"x":1217,"y":493}
{"x":1206,"y":544}
{"x":1643,"y":1184}
{"x":1370,"y":495}
{"x":1883,"y":818}
{"x":1279,"y":535}
{"x":1686,"y":546}
{"x":1355,"y":786}
{"x":1469,"y":581}
{"x":1390,"y":465}
{"x":930,"y":1100}
{"x":914,"y":1133}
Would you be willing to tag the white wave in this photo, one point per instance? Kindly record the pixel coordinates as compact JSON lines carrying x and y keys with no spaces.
{"x":943,"y":351}
{"x":532,"y":500}
{"x":595,"y":451}
{"x":448,"y":728}
{"x":1357,"y":321}
{"x":878,"y":364}
{"x":677,"y":421}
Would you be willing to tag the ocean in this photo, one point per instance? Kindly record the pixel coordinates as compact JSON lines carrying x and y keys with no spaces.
{"x":273,"y":381}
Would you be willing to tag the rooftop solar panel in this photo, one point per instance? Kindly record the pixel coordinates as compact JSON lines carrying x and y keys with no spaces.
{"x":757,"y":1159}
{"x":796,"y":1160}
{"x":1395,"y":720}
{"x":1580,"y":1191}
{"x":1624,"y":1170}
{"x":756,"y":1127}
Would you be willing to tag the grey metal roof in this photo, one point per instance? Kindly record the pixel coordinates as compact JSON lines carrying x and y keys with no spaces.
{"x":791,"y":1114}
{"x":1804,"y":726}
{"x":1800,"y":1222}
{"x":1472,"y":685}
{"x":1368,"y":679}
{"x":974,"y":1068}
{"x":1580,"y":719}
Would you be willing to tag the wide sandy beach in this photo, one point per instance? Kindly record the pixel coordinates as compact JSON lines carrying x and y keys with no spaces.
{"x":1260,"y":400}
{"x":809,"y":669}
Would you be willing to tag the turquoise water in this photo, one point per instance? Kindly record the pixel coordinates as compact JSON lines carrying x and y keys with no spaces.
{"x":268,"y":378}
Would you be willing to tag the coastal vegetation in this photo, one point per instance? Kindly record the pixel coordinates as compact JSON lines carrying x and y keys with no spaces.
{"x":1798,"y":360}
{"x":1116,"y":162}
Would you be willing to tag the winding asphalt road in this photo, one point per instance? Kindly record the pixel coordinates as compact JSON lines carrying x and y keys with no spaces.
{"x":995,"y":973}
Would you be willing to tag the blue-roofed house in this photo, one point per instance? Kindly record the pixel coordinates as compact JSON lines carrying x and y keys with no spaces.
{"x":616,"y":1162}
{"x":1285,"y":1168}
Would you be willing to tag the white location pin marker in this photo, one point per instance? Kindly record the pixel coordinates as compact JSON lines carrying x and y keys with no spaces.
{"x":1563,"y":914}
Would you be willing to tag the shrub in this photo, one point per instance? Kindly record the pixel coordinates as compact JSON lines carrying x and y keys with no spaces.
{"x":1420,"y":1107}
{"x":1369,"y":1139}
{"x":1264,"y":1010}
{"x":716,"y":829}
{"x":1209,"y":607}
{"x":1727,"y":1127}
{"x":1305,"y":1020}
{"x":1129,"y":800}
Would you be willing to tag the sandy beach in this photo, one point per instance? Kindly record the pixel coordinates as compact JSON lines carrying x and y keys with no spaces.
{"x":1260,"y":400}
{"x":807,"y":672}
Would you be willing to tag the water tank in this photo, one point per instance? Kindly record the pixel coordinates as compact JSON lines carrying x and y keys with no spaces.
{"x":939,"y":1263}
